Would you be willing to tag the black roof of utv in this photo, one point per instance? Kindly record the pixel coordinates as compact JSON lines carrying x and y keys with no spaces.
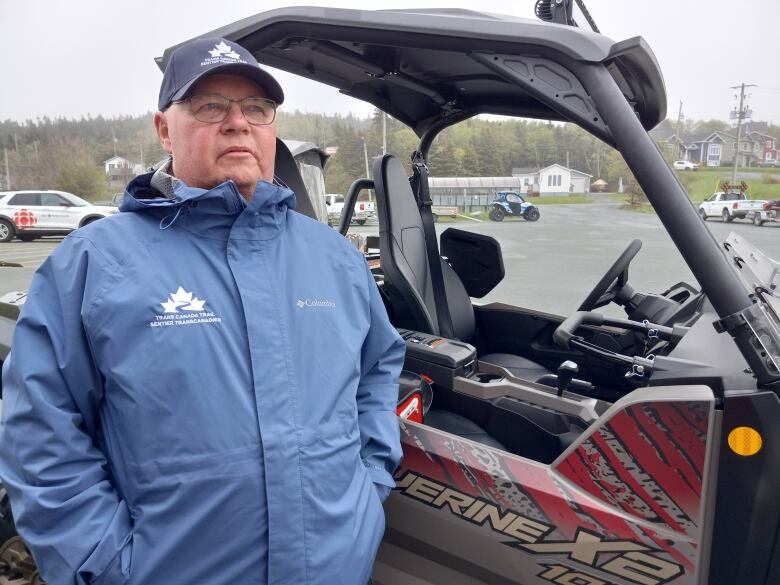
{"x":432,"y":68}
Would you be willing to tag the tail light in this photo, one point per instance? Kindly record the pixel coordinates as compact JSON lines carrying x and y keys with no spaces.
{"x":766,"y":205}
{"x":362,"y":207}
{"x":734,"y":205}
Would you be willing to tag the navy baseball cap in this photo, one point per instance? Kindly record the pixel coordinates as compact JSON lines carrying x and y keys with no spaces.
{"x":196,"y":59}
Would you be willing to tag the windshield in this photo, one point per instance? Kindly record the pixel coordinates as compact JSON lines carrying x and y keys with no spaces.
{"x":761,"y":276}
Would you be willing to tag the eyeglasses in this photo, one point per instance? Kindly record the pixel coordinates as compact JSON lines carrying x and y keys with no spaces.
{"x":213,"y":108}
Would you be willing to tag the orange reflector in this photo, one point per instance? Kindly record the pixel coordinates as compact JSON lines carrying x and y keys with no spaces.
{"x":745,"y":441}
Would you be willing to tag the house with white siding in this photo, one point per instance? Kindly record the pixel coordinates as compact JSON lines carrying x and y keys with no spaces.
{"x":555,"y":179}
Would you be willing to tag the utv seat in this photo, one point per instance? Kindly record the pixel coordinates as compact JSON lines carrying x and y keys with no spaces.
{"x":286,"y":170}
{"x":407,"y":272}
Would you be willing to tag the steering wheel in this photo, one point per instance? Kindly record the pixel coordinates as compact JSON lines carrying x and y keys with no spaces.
{"x":613,"y":281}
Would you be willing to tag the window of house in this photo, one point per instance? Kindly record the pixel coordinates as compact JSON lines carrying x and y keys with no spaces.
{"x":713,"y":150}
{"x":553,"y":180}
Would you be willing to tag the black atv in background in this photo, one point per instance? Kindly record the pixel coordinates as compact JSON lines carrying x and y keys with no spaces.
{"x":512,"y":204}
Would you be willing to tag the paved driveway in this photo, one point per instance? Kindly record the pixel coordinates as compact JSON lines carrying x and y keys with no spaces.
{"x":551,"y":265}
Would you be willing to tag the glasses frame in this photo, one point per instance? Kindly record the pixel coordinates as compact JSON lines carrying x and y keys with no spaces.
{"x":227,"y":111}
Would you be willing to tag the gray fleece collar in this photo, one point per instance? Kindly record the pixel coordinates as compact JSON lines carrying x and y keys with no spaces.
{"x":162,"y":180}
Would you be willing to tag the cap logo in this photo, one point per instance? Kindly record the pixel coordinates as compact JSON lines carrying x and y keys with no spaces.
{"x":222,"y":53}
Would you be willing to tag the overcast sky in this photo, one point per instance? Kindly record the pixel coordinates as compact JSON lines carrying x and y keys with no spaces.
{"x":75,"y":57}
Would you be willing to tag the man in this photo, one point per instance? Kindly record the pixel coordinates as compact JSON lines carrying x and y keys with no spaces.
{"x":201,"y":389}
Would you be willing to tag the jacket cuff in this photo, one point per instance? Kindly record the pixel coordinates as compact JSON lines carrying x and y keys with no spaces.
{"x":110,"y":559}
{"x":382,"y":491}
{"x":379,"y":475}
{"x":382,"y":480}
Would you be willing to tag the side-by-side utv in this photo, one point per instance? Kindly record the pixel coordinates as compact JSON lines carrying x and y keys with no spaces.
{"x":653,"y":459}
{"x":579,"y":450}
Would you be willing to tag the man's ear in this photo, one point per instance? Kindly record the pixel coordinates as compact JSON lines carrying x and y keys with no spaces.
{"x":161,"y":125}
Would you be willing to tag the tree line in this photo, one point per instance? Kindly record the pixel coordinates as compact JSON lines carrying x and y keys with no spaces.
{"x":69,"y":154}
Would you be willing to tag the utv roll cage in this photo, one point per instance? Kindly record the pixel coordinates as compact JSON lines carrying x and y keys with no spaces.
{"x":469,"y":62}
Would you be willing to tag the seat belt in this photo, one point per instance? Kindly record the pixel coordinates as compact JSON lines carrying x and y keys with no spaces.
{"x":419,"y":182}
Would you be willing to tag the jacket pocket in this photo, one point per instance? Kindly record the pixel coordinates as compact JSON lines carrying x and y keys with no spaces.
{"x":343,"y":512}
{"x":117,"y":572}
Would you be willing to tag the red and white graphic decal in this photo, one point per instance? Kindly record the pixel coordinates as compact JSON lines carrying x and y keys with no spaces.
{"x":644,"y":467}
{"x":24,"y":218}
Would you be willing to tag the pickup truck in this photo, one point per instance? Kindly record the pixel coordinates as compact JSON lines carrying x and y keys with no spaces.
{"x":28,"y":215}
{"x":335,"y":203}
{"x":730,"y":205}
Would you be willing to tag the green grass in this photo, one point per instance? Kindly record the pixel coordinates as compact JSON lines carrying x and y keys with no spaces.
{"x":703,"y":183}
{"x":559,"y":199}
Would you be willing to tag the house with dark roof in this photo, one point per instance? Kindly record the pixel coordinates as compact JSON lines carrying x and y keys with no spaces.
{"x":717,"y":148}
{"x":669,"y":141}
{"x":765,"y":146}
{"x":712,"y":149}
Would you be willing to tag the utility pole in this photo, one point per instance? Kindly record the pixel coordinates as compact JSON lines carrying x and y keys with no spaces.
{"x":384,"y":135}
{"x":679,"y":120}
{"x":741,"y":114}
{"x":7,"y":174}
{"x":365,"y":156}
{"x":598,"y":162}
{"x":677,"y":153}
{"x":567,"y":160}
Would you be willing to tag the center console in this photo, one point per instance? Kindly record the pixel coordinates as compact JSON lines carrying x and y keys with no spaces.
{"x":454,"y":365}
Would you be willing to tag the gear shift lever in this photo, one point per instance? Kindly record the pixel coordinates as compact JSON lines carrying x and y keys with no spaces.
{"x":566,"y":372}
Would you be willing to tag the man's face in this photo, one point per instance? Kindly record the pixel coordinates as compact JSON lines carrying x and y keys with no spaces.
{"x":205,"y":155}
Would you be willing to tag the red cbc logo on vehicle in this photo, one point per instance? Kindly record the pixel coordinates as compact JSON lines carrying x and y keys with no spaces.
{"x":24,"y":218}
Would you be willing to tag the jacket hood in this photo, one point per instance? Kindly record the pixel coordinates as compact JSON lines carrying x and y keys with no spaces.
{"x":220,"y":213}
{"x":224,"y":198}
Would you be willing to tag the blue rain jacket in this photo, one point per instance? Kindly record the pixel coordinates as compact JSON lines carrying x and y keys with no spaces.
{"x":202,"y":391}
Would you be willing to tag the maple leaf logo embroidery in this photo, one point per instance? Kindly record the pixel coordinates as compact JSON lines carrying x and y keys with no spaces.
{"x":224,"y":50}
{"x":182,"y":299}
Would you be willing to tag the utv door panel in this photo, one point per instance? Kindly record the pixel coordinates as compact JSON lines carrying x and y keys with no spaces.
{"x":747,"y":522}
{"x":626,"y":503}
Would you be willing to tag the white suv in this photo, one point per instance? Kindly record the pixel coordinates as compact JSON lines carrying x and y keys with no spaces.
{"x":32,"y":214}
{"x":685,"y":165}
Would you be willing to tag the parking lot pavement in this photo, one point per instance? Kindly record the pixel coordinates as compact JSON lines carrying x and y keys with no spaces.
{"x":30,"y":255}
{"x":551,"y":264}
